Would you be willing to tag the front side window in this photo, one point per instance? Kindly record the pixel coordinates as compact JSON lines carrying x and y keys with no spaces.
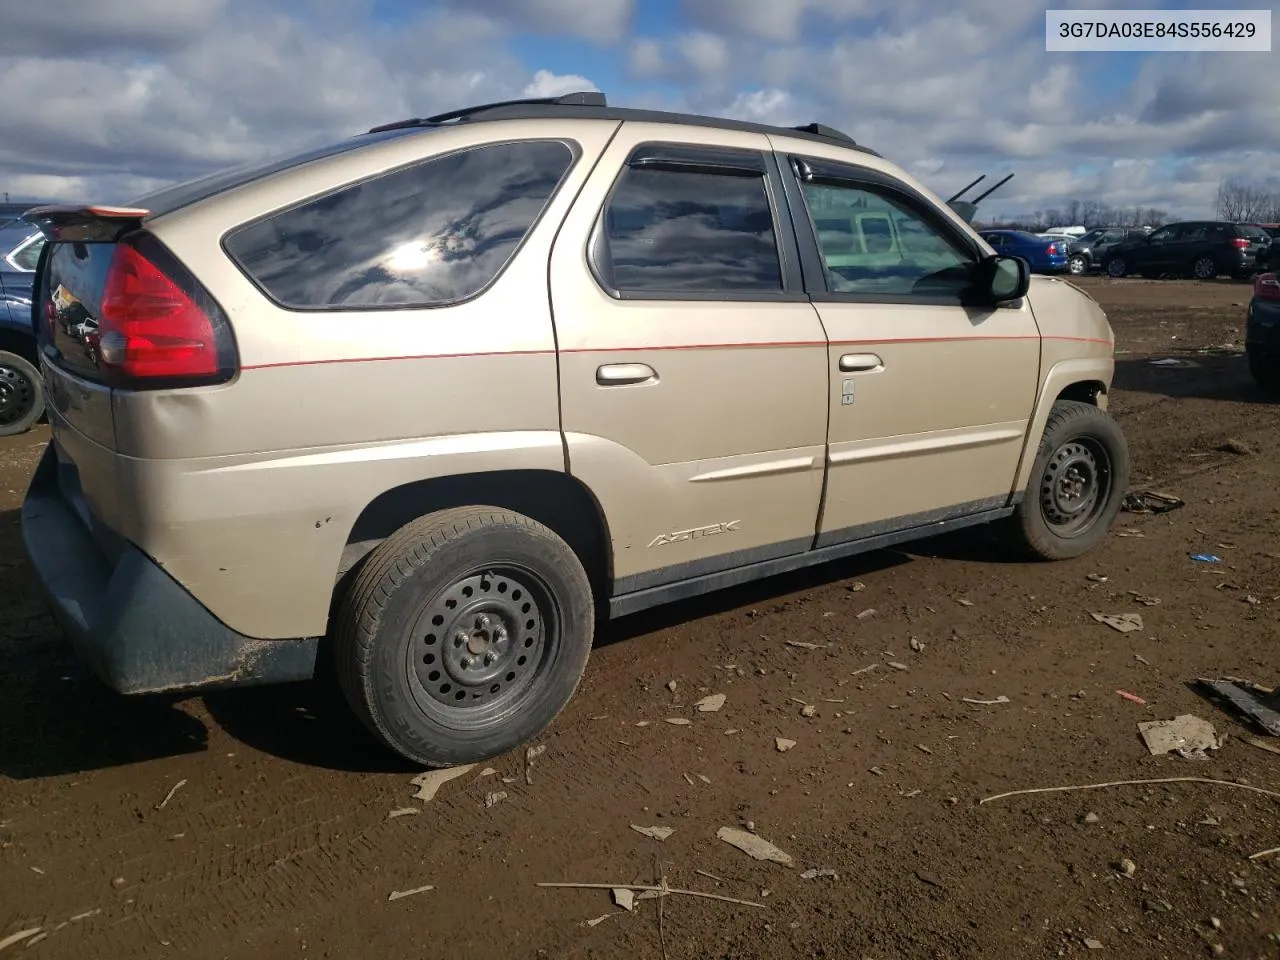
{"x":890,"y":247}
{"x":431,"y":234}
{"x":1164,"y":235}
{"x":698,"y":231}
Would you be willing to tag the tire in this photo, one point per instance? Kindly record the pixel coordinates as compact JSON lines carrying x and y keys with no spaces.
{"x":1079,"y":441}
{"x":1204,"y":268}
{"x":1077,"y":265}
{"x":1265,"y":371}
{"x":1117,"y":268}
{"x":21,"y":394}
{"x":464,"y":635}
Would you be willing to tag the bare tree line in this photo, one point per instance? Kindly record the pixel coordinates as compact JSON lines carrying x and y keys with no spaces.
{"x":1244,"y":202}
{"x":1083,"y":213}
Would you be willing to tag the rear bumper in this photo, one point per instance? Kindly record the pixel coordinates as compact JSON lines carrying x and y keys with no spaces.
{"x":136,"y":626}
{"x":1262,"y":327}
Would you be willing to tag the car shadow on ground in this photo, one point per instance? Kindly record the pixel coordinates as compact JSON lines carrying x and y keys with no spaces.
{"x":1197,"y":375}
{"x":56,"y":717}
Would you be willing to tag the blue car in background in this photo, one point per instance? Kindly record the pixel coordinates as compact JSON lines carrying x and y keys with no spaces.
{"x":1043,"y":255}
{"x":21,"y":387}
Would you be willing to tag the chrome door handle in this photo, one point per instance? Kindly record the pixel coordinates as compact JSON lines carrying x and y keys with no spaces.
{"x":621,"y":374}
{"x":855,"y":362}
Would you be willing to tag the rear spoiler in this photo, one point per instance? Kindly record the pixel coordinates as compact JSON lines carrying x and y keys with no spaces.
{"x":93,"y":224}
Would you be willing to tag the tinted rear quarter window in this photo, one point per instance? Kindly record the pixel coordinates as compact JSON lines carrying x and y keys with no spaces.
{"x":678,"y":231}
{"x":434,"y":233}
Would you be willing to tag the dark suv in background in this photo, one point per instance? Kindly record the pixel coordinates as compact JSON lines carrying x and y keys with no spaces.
{"x":1202,"y":249}
{"x":1086,"y":252}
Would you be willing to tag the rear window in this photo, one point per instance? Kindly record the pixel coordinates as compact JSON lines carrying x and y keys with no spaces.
{"x":434,"y":233}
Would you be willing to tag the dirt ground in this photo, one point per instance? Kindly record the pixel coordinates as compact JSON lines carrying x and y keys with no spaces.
{"x":278,"y":840}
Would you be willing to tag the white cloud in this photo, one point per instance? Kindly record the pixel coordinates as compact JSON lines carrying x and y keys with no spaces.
{"x":599,"y":20}
{"x":775,"y":20}
{"x":645,"y":59}
{"x":548,"y":84}
{"x":71,"y":27}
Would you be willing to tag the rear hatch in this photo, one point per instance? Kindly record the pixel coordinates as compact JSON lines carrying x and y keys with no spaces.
{"x":1258,"y":240}
{"x":115,"y":310}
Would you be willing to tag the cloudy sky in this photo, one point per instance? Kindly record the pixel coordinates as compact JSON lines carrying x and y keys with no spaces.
{"x":106,"y":99}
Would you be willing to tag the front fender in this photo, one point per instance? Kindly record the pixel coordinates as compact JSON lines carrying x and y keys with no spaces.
{"x":1097,"y":370}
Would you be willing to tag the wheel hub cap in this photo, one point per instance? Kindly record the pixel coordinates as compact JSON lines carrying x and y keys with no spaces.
{"x":1074,"y":488}
{"x":16,"y":395}
{"x":480,"y":640}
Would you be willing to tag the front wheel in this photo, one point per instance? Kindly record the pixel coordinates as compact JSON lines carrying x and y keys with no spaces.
{"x":21,"y":394}
{"x":1077,"y":484}
{"x":1077,"y":265}
{"x":1116,"y":267}
{"x":464,"y":635}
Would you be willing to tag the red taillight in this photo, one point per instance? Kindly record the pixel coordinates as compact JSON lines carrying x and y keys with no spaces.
{"x":1267,"y":287}
{"x":148,"y":327}
{"x":1053,"y":248}
{"x":1240,"y":243}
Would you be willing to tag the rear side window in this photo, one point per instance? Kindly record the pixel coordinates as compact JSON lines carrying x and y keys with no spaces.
{"x":689,"y":231}
{"x":432,"y":234}
{"x":27,"y":256}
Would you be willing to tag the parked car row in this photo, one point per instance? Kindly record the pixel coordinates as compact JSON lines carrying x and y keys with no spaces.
{"x":1202,"y":249}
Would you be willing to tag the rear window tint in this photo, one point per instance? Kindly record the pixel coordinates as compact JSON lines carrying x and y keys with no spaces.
{"x":431,"y":234}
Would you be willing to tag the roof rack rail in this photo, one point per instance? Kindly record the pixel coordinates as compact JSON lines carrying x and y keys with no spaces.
{"x":583,"y":98}
{"x":822,"y":130}
{"x":592,"y":105}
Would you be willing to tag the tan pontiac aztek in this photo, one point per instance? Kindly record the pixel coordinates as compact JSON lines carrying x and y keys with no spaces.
{"x":449,"y":392}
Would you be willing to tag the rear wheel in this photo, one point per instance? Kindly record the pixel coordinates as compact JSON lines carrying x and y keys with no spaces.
{"x":1077,"y":484}
{"x":1204,"y":268}
{"x":21,"y":394}
{"x":1116,"y":267}
{"x":464,"y":635}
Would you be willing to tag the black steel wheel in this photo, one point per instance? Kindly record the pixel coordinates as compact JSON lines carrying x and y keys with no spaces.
{"x":483,"y":640}
{"x":464,"y":635}
{"x":21,"y":394}
{"x":1076,"y":486}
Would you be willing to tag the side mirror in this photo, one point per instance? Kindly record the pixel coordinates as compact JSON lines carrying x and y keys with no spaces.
{"x":999,"y":279}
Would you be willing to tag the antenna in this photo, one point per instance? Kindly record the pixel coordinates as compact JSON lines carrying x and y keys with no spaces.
{"x":982,"y":196}
{"x":961,"y":193}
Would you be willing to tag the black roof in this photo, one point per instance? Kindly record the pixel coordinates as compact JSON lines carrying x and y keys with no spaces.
{"x":592,"y":105}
